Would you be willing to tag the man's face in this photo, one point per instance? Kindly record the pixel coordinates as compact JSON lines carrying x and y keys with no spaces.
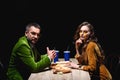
{"x":33,"y":34}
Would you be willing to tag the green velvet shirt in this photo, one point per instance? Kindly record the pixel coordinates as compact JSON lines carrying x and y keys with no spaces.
{"x":23,"y":61}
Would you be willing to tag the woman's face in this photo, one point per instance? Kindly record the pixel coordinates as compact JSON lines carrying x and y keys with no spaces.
{"x":84,"y":33}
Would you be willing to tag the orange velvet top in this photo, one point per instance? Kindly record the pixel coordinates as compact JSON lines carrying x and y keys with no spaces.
{"x":90,"y":60}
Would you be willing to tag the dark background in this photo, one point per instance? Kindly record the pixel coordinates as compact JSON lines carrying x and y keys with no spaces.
{"x":59,"y":21}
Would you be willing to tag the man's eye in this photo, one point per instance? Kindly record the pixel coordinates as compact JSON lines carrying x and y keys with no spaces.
{"x":33,"y":33}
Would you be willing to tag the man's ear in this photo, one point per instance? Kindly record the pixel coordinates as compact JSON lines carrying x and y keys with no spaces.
{"x":26,"y":33}
{"x":47,"y":49}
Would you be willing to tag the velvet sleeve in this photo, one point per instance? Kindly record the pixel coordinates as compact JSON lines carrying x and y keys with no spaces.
{"x":92,"y":60}
{"x":25,"y":55}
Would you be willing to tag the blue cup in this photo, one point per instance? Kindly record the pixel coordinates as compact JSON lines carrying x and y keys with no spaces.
{"x":66,"y":55}
{"x":56,"y":58}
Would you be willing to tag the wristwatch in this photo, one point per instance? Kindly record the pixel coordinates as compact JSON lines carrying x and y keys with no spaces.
{"x":80,"y":66}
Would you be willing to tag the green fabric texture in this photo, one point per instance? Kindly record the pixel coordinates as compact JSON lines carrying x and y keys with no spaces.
{"x":23,"y":61}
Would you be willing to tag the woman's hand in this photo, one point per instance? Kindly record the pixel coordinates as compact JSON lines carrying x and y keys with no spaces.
{"x":74,"y":65}
{"x":78,"y":42}
{"x":77,"y":55}
{"x":77,"y":45}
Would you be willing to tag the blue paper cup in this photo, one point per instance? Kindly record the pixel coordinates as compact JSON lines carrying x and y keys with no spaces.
{"x":56,"y":58}
{"x":66,"y":55}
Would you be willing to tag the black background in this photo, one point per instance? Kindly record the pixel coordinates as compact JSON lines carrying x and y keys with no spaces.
{"x":59,"y":21}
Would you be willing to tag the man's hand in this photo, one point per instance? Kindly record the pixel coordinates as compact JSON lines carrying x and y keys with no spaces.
{"x":51,"y":53}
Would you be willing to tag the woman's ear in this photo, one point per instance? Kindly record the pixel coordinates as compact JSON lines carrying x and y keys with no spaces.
{"x":92,"y":34}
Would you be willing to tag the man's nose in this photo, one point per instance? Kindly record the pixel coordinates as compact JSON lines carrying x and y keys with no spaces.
{"x":36,"y":36}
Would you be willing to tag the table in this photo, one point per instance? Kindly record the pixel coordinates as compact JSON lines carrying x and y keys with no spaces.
{"x":48,"y":74}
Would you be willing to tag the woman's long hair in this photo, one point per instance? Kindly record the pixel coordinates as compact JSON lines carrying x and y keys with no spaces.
{"x":92,"y":37}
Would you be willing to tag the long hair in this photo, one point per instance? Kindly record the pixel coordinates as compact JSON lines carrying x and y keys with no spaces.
{"x":92,"y":37}
{"x":91,"y":28}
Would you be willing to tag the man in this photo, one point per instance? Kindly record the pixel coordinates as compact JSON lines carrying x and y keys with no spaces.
{"x":25,"y":58}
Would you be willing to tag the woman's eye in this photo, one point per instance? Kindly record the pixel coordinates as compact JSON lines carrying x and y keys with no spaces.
{"x":83,"y":31}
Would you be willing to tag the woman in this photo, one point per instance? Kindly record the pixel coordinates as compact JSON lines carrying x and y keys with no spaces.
{"x":89,"y":53}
